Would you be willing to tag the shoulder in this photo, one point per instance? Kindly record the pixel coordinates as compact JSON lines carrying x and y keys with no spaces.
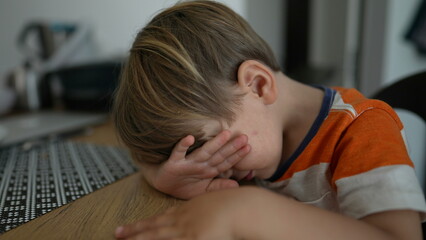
{"x":370,"y":167}
{"x":355,"y":105}
{"x":371,"y":135}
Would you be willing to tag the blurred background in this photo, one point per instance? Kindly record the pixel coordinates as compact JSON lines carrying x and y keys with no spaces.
{"x":60,"y":60}
{"x":60,"y":54}
{"x":352,"y":43}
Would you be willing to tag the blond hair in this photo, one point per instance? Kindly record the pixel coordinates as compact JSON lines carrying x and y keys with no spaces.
{"x":182,"y":71}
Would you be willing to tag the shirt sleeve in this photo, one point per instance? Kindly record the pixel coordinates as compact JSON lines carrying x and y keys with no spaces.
{"x":372,"y":171}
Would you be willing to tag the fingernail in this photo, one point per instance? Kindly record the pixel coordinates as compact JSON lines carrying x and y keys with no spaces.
{"x":119,"y":230}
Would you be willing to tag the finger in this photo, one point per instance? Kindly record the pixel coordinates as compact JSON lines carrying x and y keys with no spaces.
{"x":228,"y":150}
{"x":179,"y":151}
{"x":169,"y":232}
{"x":144,"y":225}
{"x":221,"y":183}
{"x":226,"y":174}
{"x":206,"y":151}
{"x":205,"y":171}
{"x":233,"y":159}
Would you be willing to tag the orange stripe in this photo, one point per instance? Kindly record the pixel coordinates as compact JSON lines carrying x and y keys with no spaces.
{"x":371,"y":141}
{"x":375,"y":141}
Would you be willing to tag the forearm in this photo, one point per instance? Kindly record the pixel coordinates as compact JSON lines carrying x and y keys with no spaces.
{"x":275,"y":217}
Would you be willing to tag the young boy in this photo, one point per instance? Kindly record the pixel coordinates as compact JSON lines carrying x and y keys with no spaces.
{"x":202,"y":105}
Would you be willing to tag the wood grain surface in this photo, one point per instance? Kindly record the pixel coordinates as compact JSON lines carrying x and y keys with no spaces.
{"x":96,"y":215}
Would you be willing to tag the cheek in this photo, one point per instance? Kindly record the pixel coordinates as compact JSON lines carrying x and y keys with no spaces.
{"x":259,"y":141}
{"x":266,"y":147}
{"x":259,"y":149}
{"x":249,"y":162}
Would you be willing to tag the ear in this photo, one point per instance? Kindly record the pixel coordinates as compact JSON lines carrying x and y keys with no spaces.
{"x":257,"y":79}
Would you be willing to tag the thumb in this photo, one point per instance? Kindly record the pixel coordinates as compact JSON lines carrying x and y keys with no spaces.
{"x":221,"y":183}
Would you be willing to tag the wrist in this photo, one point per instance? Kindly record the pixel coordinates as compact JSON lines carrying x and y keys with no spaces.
{"x":149,"y":173}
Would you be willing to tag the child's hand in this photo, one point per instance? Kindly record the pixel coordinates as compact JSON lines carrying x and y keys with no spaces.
{"x":210,"y":216}
{"x":186,"y":176}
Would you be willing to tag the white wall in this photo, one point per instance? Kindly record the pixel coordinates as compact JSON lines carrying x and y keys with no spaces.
{"x":268,"y":20}
{"x":401,"y":58}
{"x":327,"y":35}
{"x":114,"y":23}
{"x":334,"y":41}
{"x":333,"y":38}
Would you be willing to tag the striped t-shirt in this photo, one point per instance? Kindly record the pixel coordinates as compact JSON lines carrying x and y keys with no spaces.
{"x":353,"y":161}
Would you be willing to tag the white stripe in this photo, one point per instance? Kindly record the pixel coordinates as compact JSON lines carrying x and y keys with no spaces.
{"x":393,"y":187}
{"x":310,"y":186}
{"x":7,"y":174}
{"x":31,"y":179}
{"x":339,"y":104}
{"x":33,"y":171}
{"x":57,"y":176}
{"x":116,"y":156}
{"x":101,"y":164}
{"x":79,"y":168}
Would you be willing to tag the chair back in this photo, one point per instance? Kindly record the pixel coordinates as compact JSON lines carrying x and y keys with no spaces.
{"x":408,"y":93}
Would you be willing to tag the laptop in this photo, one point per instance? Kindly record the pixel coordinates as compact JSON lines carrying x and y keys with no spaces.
{"x":33,"y":126}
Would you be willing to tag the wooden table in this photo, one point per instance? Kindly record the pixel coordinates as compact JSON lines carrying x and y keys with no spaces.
{"x":96,"y":215}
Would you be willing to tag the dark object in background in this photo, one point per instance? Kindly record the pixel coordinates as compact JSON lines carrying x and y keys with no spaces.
{"x":407,"y":93}
{"x":417,"y":30}
{"x":87,"y":87}
{"x":296,"y":62}
{"x":46,"y":47}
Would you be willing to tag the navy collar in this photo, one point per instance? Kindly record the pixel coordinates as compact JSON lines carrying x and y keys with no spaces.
{"x":325,"y":108}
